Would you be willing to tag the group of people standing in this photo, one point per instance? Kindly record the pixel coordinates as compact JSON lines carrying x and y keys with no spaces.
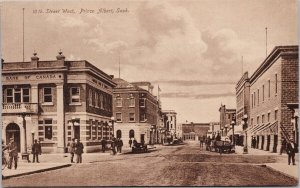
{"x":12,"y":150}
{"x":116,"y":145}
{"x":76,"y":148}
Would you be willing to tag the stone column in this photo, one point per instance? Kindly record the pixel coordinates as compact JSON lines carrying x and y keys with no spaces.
{"x":34,"y":94}
{"x":60,"y":118}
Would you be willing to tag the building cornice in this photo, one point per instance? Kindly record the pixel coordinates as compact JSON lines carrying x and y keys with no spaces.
{"x":276,"y":53}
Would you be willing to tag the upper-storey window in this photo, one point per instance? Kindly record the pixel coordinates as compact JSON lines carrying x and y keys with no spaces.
{"x":96,"y":99}
{"x":276,"y":82}
{"x":263,"y":93}
{"x":90,"y":97}
{"x":118,"y":101}
{"x":269,"y":88}
{"x":131,"y":101}
{"x":142,"y":102}
{"x":257,"y":97}
{"x":48,"y":95}
{"x":101,"y":101}
{"x":75,"y":95}
{"x":17,"y":95}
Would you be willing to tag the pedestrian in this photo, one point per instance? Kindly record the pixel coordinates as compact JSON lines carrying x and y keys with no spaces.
{"x":40,"y":147}
{"x":13,"y":154}
{"x":254,"y":142}
{"x":79,"y":150}
{"x":120,"y":145}
{"x":72,"y":149}
{"x":208,"y":143}
{"x":218,"y":137}
{"x":103,"y":144}
{"x":291,"y":149}
{"x":130,"y":142}
{"x":35,"y":151}
{"x":113,"y":145}
{"x":283,"y":146}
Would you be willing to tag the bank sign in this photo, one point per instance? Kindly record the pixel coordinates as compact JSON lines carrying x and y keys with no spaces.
{"x":32,"y":77}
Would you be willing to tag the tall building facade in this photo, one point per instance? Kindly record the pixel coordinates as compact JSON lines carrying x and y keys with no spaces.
{"x":136,"y":110}
{"x":273,"y":86}
{"x":242,"y":103}
{"x":226,"y":117}
{"x":55,"y":101}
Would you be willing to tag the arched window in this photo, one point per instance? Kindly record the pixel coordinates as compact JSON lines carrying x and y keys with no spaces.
{"x":119,"y":134}
{"x":131,"y":133}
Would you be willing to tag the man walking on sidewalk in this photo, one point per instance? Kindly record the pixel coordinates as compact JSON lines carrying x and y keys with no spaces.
{"x":13,"y":154}
{"x":79,"y":151}
{"x":36,"y":151}
{"x":103,"y":143}
{"x":291,"y":149}
{"x":72,"y":149}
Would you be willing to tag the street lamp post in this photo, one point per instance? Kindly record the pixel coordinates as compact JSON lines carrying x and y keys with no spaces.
{"x":245,"y":126}
{"x":25,"y":155}
{"x":226,"y":127}
{"x":152,"y":135}
{"x":32,"y":134}
{"x":233,"y":140}
{"x":112,"y":124}
{"x":222,"y":131}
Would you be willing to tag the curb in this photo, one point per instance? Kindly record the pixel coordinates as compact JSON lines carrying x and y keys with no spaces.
{"x":36,"y":171}
{"x":269,"y":167}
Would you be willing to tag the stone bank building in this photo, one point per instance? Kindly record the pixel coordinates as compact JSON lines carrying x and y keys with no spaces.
{"x":55,"y":101}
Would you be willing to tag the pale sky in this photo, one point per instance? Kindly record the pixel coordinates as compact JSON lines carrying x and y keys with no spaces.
{"x":192,"y":49}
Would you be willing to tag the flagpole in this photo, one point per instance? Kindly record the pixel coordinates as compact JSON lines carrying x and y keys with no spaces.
{"x":23,"y":34}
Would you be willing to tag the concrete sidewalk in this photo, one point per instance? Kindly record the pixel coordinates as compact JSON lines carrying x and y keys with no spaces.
{"x":31,"y":168}
{"x":281,"y":164}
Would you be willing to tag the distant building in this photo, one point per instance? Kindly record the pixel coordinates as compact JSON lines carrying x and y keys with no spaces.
{"x":59,"y":100}
{"x":274,"y":99}
{"x":226,"y":118}
{"x":136,"y":111}
{"x":170,"y":123}
{"x":193,"y":131}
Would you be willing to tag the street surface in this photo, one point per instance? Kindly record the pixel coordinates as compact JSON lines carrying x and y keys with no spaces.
{"x":182,"y":165}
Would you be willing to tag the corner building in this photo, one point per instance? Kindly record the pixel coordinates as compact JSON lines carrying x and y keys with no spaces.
{"x":60,"y":100}
{"x":273,"y":86}
{"x":135,"y":109}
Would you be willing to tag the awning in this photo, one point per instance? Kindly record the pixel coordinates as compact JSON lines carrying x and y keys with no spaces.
{"x":274,"y":127}
{"x":255,"y":128}
{"x":261,"y":128}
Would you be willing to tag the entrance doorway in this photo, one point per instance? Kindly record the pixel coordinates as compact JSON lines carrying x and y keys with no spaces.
{"x":77,"y":132}
{"x":142,"y":138}
{"x":13,"y":131}
{"x":119,"y":134}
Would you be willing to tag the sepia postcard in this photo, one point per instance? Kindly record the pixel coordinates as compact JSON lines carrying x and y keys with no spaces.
{"x":182,"y":93}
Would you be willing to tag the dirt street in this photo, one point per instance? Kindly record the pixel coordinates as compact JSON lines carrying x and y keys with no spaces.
{"x":184,"y":165}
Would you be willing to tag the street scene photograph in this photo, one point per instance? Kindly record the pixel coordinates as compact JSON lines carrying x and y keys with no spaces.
{"x":152,"y":93}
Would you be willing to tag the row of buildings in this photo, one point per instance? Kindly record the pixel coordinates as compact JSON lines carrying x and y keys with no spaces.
{"x":266,"y":102}
{"x":55,"y":101}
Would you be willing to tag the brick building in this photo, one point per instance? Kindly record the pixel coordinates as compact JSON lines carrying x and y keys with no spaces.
{"x":226,"y":117}
{"x":273,"y":86}
{"x":135,"y":109}
{"x":59,"y":100}
{"x":194,"y":131}
{"x":242,"y":102}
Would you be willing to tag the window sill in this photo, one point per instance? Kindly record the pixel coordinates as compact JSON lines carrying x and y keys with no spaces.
{"x":131,"y":106}
{"x":119,"y":121}
{"x":47,"y":104}
{"x":75,"y":104}
{"x":132,"y":121}
{"x":119,"y":106}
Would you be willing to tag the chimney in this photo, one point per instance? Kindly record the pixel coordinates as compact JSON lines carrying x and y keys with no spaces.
{"x":34,"y":60}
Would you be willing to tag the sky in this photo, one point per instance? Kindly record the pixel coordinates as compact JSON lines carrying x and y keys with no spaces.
{"x":194,"y":50}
